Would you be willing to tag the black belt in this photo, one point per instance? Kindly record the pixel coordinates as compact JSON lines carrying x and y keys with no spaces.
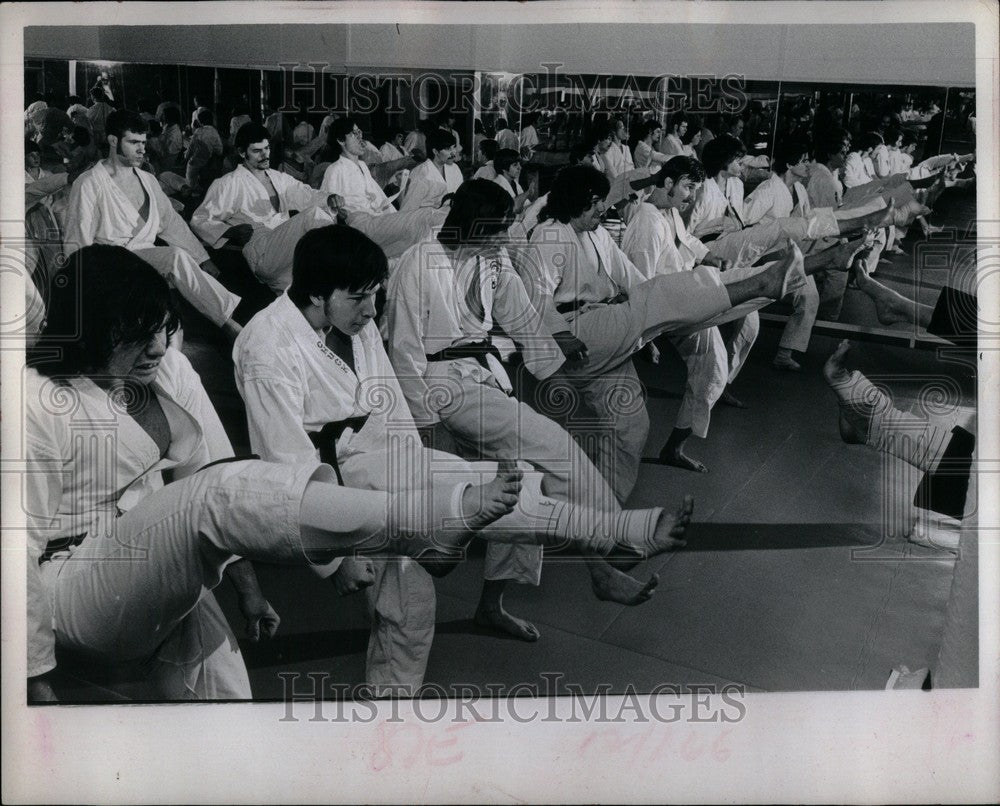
{"x":65,"y":543}
{"x":575,"y":305}
{"x":478,"y":350}
{"x":326,"y":438}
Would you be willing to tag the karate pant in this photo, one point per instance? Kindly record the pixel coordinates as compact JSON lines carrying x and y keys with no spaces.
{"x":141,"y":594}
{"x":707,"y":361}
{"x":484,"y":418}
{"x":397,"y":232}
{"x":270,"y":251}
{"x":206,"y":294}
{"x":805,"y":307}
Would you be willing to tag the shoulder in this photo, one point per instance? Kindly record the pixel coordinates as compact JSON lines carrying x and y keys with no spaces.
{"x":263,"y":338}
{"x":176,"y":375}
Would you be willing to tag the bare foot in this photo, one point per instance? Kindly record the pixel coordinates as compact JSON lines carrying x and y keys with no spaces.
{"x":674,"y":456}
{"x":612,"y":585}
{"x":729,"y":399}
{"x":495,"y":617}
{"x":784,"y":275}
{"x":890,"y":307}
{"x":482,"y":504}
{"x":670,"y":531}
{"x":840,"y":257}
{"x":853,"y":422}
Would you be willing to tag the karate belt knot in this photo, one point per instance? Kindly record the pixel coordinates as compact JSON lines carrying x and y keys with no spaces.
{"x":485,"y":352}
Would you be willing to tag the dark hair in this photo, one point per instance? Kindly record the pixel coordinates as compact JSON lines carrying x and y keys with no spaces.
{"x":205,"y":117}
{"x":81,"y":136}
{"x":477,"y":126}
{"x":155,"y":129}
{"x":479,"y":210}
{"x":250,"y":133}
{"x":892,"y":134}
{"x":868,"y":140}
{"x":439,"y":140}
{"x":729,"y":121}
{"x":171,"y":115}
{"x":603,"y":129}
{"x":695,"y":125}
{"x":676,"y":120}
{"x":98,"y":94}
{"x":446,"y":115}
{"x":909,"y":138}
{"x":489,"y":148}
{"x":578,"y":151}
{"x":829,"y":143}
{"x":646,"y":128}
{"x":31,"y":147}
{"x":718,"y":153}
{"x":676,"y":168}
{"x":391,"y":133}
{"x":504,"y":158}
{"x":105,"y":297}
{"x":124,"y":120}
{"x":501,"y":124}
{"x":572,"y":191}
{"x":788,"y":153}
{"x":337,"y":132}
{"x":332,"y":257}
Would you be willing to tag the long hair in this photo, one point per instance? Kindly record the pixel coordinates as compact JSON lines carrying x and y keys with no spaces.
{"x":105,"y":297}
{"x":572,"y":191}
{"x":479,"y":210}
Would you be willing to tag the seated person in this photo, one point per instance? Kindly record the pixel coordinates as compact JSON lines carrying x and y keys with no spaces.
{"x":204,"y":149}
{"x":115,"y":202}
{"x":364,"y":203}
{"x":646,"y":153}
{"x":578,"y":278}
{"x":672,"y":144}
{"x":250,"y":207}
{"x":508,"y":169}
{"x":487,"y":151}
{"x":392,"y":149}
{"x":505,"y":136}
{"x":316,"y":379}
{"x":435,"y":177}
{"x":121,"y":563}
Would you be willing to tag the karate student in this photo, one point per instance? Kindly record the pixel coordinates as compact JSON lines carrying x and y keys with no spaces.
{"x":616,"y":158}
{"x":366,"y":206}
{"x":249,"y":208}
{"x":657,"y":242}
{"x":443,"y":300}
{"x":646,"y":153}
{"x":121,"y":563}
{"x":508,"y":167}
{"x":672,"y":144}
{"x":579,"y":279}
{"x":435,"y":177}
{"x":116,"y":203}
{"x":778,"y":198}
{"x":505,"y":136}
{"x":315,"y":376}
{"x":392,"y":149}
{"x":487,"y":151}
{"x":528,"y":141}
{"x":206,"y":145}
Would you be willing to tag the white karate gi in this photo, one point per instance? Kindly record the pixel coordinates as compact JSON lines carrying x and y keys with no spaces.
{"x":645,"y":156}
{"x":487,"y":171}
{"x":772,"y":200}
{"x":426,"y":186}
{"x":529,"y":138}
{"x":671,"y":145}
{"x":432,"y":307}
{"x":240,"y":198}
{"x":506,"y":138}
{"x":99,"y":212}
{"x":292,"y":386}
{"x":415,"y":141}
{"x":513,"y":191}
{"x":856,"y":170}
{"x":617,"y":160}
{"x":657,"y":242}
{"x":370,"y":211}
{"x":157,"y":608}
{"x":586,"y":270}
{"x":390,"y":153}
